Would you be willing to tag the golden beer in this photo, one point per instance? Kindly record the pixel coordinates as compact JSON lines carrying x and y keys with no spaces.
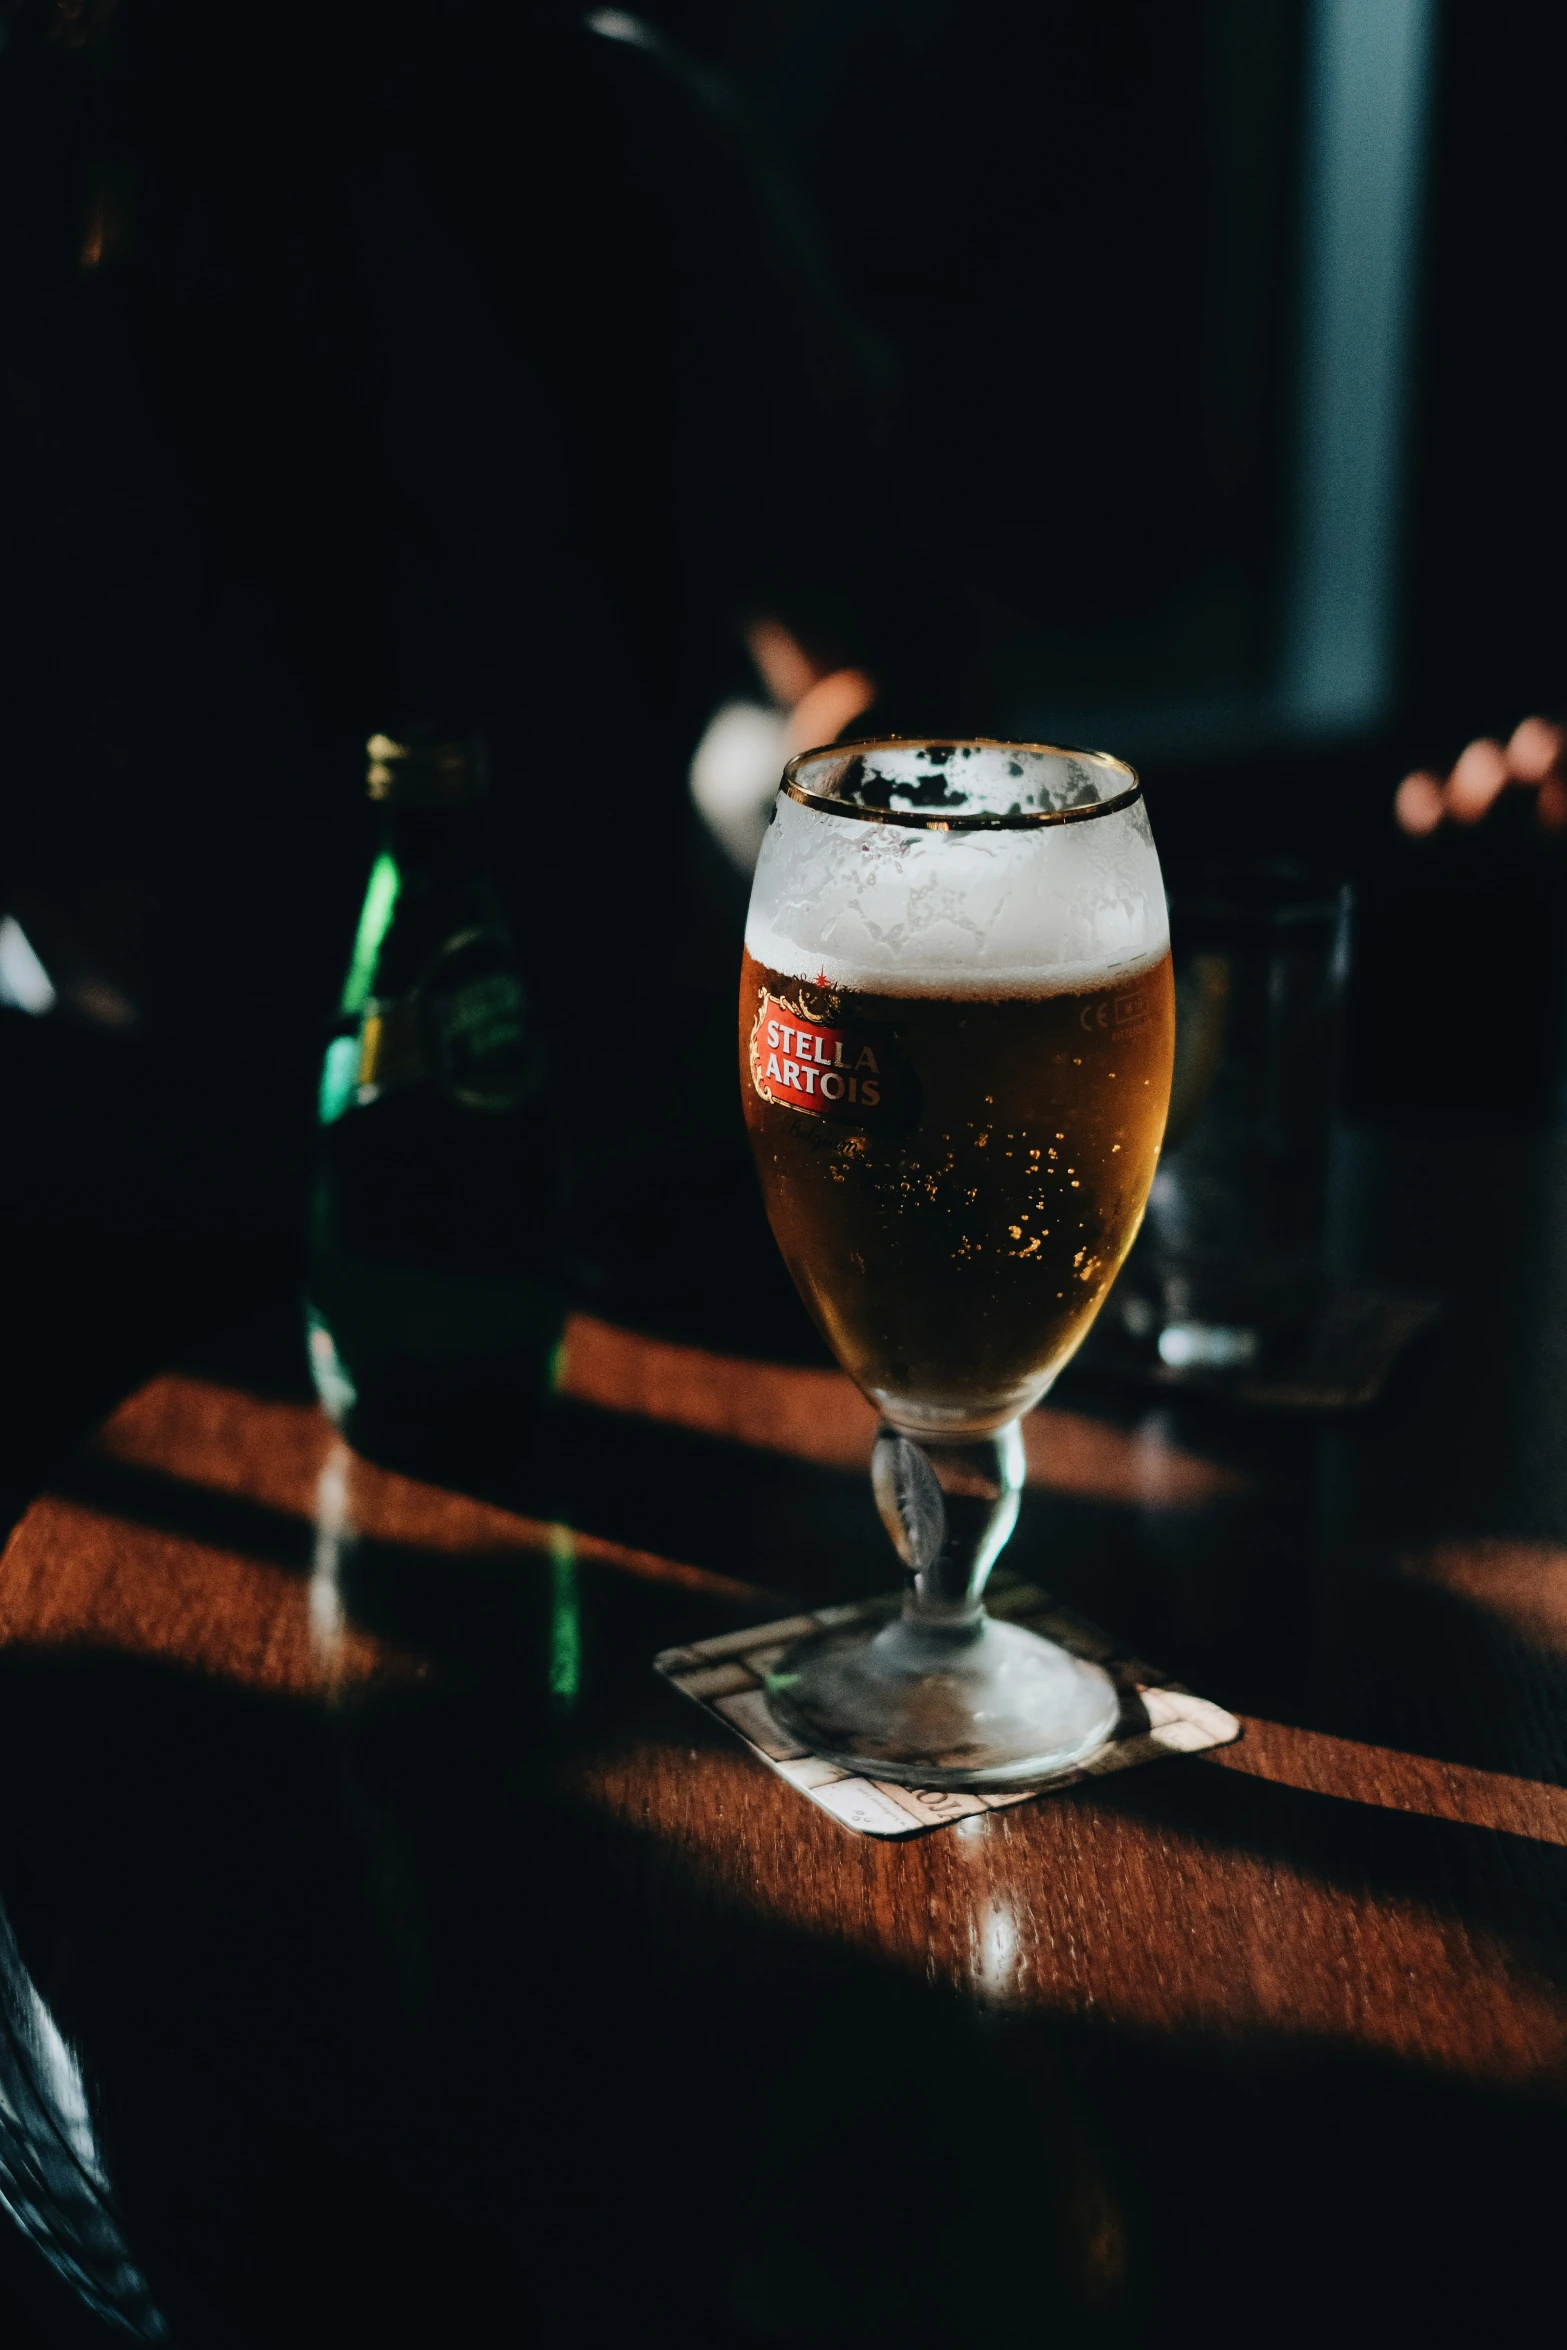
{"x":954,"y":1227}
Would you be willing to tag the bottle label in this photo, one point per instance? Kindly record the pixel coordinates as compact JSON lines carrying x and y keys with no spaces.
{"x":476,"y":1013}
{"x":849,"y":1071}
{"x":462,"y":1026}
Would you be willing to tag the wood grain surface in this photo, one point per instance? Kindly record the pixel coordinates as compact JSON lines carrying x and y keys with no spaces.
{"x":1028,"y":1907}
{"x":334,"y":1726}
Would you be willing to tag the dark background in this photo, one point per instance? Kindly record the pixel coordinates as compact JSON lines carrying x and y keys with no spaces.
{"x":365,"y":364}
{"x":472,"y":362}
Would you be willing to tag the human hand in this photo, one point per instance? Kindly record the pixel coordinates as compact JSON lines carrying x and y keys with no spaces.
{"x":819,"y":702}
{"x":734,"y":773}
{"x":1534,"y":756}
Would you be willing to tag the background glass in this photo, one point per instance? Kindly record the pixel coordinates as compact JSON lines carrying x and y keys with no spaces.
{"x":1229,"y":1263}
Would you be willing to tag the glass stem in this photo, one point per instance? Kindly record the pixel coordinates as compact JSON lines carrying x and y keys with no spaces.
{"x":949,"y":1508}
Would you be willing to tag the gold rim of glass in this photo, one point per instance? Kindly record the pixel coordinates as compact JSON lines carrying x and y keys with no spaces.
{"x":1019,"y":820}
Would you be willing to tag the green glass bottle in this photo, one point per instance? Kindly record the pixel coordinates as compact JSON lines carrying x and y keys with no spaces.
{"x":436,"y":1287}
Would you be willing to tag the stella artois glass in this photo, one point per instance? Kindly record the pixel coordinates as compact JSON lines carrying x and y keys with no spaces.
{"x":956,"y":1029}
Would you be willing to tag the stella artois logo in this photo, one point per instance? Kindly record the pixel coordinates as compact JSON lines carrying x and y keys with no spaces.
{"x":805,"y":1057}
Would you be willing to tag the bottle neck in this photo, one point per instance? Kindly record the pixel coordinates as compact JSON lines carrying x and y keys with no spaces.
{"x":429,"y":882}
{"x":434,"y":843}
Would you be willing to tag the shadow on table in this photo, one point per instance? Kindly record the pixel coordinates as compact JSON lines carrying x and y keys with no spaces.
{"x":391,"y":2039}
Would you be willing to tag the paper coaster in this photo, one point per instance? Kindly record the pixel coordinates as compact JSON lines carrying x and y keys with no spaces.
{"x":725,"y":1675}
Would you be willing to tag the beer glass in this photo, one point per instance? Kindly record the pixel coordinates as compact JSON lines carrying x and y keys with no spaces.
{"x":956,"y":1030}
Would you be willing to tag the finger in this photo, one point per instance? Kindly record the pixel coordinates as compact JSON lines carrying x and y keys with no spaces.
{"x":1418,"y":803}
{"x":1478,"y":777}
{"x":832,"y":704}
{"x":1551,"y":804}
{"x":1535,"y":748}
{"x":785,"y":667}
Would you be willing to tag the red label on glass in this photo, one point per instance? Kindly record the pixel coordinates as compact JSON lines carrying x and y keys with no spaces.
{"x":847,"y":1070}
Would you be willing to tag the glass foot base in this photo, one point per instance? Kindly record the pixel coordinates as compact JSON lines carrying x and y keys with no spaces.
{"x":930,"y":1705}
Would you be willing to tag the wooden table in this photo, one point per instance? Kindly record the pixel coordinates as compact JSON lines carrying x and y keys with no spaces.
{"x":437,"y":1975}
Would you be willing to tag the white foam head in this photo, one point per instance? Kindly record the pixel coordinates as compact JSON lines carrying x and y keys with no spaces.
{"x":896,"y":906}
